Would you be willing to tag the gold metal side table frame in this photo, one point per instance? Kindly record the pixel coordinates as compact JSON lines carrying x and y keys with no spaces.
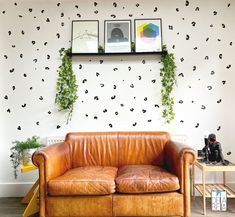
{"x":206,"y":189}
{"x":31,"y":198}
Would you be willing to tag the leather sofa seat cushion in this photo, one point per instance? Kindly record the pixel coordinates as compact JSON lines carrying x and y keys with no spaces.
{"x":145,"y":179}
{"x":90,"y":180}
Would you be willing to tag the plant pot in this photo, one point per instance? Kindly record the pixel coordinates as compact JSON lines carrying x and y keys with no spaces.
{"x":27,"y":156}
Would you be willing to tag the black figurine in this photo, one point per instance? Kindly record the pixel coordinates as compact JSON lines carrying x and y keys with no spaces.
{"x":213,"y":150}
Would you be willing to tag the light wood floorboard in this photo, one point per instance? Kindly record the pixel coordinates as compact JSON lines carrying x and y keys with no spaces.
{"x":11,"y":207}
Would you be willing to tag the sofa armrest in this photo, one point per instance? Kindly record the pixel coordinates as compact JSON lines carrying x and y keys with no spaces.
{"x":52,"y":161}
{"x":178,"y":157}
{"x":55,"y":159}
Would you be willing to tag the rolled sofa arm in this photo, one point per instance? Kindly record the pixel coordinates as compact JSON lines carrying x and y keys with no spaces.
{"x":178,"y":157}
{"x":55,"y":160}
{"x":52,"y":161}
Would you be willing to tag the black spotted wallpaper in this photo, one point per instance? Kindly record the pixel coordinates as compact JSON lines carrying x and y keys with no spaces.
{"x":117,"y":93}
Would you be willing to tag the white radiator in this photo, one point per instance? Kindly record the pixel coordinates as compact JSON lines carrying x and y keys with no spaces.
{"x":181,"y":138}
{"x":54,"y":139}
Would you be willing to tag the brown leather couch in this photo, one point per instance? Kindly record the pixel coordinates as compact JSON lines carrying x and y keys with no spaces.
{"x":115,"y":174}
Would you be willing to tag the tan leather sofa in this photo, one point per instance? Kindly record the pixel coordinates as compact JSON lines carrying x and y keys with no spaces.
{"x":115,"y":174}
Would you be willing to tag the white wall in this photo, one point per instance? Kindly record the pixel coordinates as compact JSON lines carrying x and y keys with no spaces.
{"x":207,"y":35}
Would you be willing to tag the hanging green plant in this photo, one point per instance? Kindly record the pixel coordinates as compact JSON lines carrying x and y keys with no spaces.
{"x":66,"y":87}
{"x":167,"y":73}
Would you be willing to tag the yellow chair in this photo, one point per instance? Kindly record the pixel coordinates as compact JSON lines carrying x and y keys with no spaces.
{"x":31,"y":198}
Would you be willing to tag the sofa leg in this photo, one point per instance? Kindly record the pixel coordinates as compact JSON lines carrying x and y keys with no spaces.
{"x":187,"y":202}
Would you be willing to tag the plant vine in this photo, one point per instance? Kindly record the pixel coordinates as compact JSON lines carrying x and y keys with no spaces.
{"x":167,"y":73}
{"x":66,"y":87}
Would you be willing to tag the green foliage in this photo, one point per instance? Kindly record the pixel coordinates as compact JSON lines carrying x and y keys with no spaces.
{"x":100,"y":49}
{"x":66,"y":87}
{"x":167,"y":73}
{"x":132,"y":46}
{"x":19,"y":147}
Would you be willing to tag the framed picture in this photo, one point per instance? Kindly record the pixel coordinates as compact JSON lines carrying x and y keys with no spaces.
{"x":85,"y":36}
{"x":148,"y":35}
{"x":117,"y":36}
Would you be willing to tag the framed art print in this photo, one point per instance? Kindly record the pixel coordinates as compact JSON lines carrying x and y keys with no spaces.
{"x":85,"y":36}
{"x":148,"y":35}
{"x":117,"y":36}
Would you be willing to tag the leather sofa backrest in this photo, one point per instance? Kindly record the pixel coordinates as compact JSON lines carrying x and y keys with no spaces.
{"x":93,"y":149}
{"x":117,"y":148}
{"x":142,"y":148}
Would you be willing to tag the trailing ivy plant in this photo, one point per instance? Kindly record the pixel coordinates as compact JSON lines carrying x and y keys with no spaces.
{"x":167,"y":73}
{"x":66,"y":87}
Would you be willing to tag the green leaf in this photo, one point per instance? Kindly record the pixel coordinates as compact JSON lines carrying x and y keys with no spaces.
{"x":66,"y":87}
{"x":167,"y":72}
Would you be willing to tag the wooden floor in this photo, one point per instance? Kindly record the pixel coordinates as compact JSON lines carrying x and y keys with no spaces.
{"x":11,"y":207}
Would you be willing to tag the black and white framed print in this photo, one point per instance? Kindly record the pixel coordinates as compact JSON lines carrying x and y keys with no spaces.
{"x":117,"y":36}
{"x":85,"y":36}
{"x":148,"y":35}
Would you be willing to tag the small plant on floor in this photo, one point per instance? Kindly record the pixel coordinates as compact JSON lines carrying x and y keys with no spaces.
{"x":100,"y":49}
{"x":20,"y":152}
{"x":66,"y":87}
{"x":132,"y":46}
{"x":167,"y":73}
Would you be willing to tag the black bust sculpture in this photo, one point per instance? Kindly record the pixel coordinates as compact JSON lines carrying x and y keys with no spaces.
{"x":213,"y":151}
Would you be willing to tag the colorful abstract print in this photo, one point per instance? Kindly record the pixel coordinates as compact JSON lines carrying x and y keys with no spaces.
{"x":148,"y":32}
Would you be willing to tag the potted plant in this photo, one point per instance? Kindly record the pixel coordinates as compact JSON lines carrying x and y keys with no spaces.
{"x":22,"y":151}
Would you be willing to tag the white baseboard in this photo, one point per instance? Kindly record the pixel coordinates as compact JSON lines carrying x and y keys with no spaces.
{"x":14,"y":189}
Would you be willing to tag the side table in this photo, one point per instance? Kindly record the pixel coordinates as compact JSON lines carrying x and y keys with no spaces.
{"x":31,"y":198}
{"x":206,"y":189}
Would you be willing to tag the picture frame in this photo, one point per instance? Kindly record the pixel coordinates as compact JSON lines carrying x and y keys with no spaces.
{"x":148,"y":35}
{"x":117,"y":36}
{"x":85,"y":36}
